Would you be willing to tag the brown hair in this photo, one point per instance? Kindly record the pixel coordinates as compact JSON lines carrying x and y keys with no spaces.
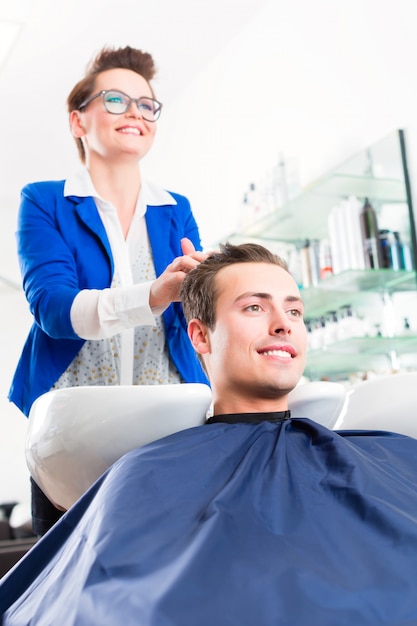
{"x":108,"y":59}
{"x":198,"y":291}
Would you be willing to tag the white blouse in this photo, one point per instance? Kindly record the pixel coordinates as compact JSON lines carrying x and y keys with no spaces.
{"x":125,"y":338}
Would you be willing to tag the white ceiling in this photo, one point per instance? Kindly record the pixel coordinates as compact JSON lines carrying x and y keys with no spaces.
{"x":182,"y":36}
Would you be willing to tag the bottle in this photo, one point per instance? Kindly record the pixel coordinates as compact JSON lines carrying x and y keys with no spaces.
{"x":244,"y":217}
{"x":392,"y":250}
{"x":294,"y":265}
{"x":313,"y":251}
{"x":346,"y":328}
{"x":306,"y":277}
{"x":407,"y":258}
{"x":385,"y":240}
{"x":352,"y":232}
{"x":338,"y":240}
{"x":370,"y":236}
{"x":406,"y":327}
{"x":325,"y":259}
{"x":397,"y":251}
{"x":254,"y":202}
{"x":331,"y":328}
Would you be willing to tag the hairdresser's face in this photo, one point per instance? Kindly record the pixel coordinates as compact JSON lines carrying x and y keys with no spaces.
{"x":255,"y":355}
{"x":115,"y":137}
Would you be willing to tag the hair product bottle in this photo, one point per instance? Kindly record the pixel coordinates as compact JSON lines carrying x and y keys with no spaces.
{"x":370,"y":235}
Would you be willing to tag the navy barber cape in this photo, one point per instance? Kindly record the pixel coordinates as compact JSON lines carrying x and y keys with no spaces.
{"x":276,"y":523}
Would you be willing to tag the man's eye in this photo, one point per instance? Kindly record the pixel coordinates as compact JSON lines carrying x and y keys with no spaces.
{"x":296,"y":313}
{"x":254,"y":307}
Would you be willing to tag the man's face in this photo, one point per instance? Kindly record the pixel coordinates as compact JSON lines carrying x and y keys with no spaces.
{"x":256,"y":353}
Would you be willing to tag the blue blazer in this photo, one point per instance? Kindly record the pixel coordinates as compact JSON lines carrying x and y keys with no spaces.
{"x":63,"y":248}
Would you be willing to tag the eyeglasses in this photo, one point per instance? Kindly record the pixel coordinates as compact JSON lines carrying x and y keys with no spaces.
{"x":117,"y":103}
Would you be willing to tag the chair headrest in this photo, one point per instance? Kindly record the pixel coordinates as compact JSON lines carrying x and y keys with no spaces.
{"x":320,"y":401}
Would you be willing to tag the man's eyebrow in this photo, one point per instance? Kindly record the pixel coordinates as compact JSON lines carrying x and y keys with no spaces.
{"x":266,"y":296}
{"x":254,"y":294}
{"x":294,"y":299}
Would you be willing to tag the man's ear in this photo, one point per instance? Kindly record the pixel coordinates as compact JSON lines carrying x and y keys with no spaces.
{"x":76,"y":125}
{"x":199,"y":335}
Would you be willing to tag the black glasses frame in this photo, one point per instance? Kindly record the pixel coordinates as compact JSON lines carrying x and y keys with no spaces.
{"x":137,"y":101}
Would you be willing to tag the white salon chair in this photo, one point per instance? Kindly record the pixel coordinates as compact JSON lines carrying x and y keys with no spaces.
{"x":383,"y":403}
{"x":321,"y":401}
{"x":75,"y":434}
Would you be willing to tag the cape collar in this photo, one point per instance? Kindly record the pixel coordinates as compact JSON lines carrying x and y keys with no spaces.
{"x":250,"y":418}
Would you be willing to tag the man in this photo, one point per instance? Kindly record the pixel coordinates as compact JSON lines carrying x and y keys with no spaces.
{"x":249,"y":334}
{"x":254,"y":519}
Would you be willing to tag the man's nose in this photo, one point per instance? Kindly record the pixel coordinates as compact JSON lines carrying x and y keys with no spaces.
{"x":280,"y":323}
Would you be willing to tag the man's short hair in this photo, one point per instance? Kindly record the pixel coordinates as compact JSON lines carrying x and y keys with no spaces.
{"x":198,"y":292}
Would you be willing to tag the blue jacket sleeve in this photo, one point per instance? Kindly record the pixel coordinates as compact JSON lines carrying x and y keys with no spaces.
{"x":56,"y":256}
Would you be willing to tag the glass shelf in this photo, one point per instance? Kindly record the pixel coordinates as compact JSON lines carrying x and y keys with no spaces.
{"x":357,"y":354}
{"x":371,"y":345}
{"x":380,"y":174}
{"x":349,"y":287}
{"x":345,"y":185}
{"x":370,"y":280}
{"x":306,"y":215}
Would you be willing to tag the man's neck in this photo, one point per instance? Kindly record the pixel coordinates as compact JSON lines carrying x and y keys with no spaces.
{"x":249,"y":405}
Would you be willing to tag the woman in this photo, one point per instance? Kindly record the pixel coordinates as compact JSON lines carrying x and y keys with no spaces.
{"x":103,"y":253}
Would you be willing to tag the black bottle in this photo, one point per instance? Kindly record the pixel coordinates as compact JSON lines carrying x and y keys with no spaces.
{"x":370,"y":237}
{"x":385,"y":239}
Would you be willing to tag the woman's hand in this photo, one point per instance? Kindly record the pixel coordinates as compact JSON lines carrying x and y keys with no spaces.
{"x":166,"y":288}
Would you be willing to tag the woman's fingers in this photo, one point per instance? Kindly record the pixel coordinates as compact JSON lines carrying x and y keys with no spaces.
{"x":187,"y":246}
{"x":166,"y":288}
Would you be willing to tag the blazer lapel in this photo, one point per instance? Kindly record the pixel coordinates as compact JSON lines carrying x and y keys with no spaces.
{"x":88,"y":214}
{"x":158,"y":222}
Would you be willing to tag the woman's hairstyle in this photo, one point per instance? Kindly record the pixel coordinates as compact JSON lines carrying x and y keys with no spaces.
{"x":109,"y":59}
{"x":198,"y":291}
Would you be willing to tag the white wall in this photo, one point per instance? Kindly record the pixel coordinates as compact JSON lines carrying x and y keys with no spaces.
{"x":333,"y":77}
{"x":14,"y":324}
{"x":14,"y":476}
{"x":315,"y":80}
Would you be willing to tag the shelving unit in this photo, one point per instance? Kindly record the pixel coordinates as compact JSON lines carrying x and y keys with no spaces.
{"x":349,"y":287}
{"x":379,"y":173}
{"x":292,"y":222}
{"x":339,"y":360}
